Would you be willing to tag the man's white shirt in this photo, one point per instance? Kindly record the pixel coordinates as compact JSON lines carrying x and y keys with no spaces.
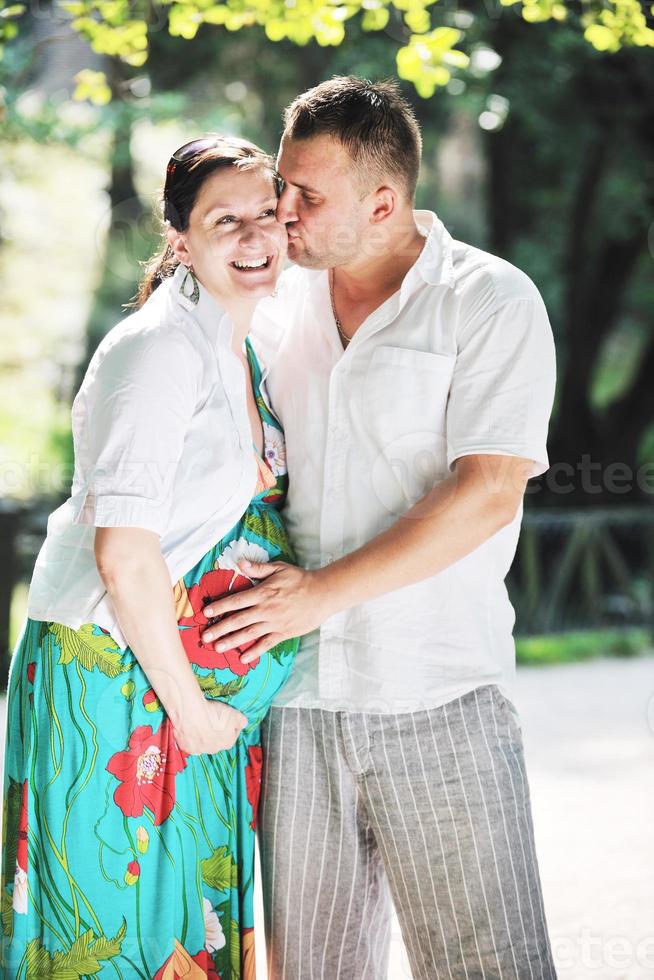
{"x":459,"y":361}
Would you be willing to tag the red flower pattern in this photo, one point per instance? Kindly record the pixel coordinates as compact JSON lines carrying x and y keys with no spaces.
{"x":213,"y":585}
{"x":147,"y":772}
{"x":21,"y":852}
{"x":133,"y":873}
{"x":253,"y":780}
{"x":150,"y":701}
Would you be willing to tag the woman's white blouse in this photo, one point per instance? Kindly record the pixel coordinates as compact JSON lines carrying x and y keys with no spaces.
{"x":162,"y":441}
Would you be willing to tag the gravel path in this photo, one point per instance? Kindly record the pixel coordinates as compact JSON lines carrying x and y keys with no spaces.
{"x":589,"y":740}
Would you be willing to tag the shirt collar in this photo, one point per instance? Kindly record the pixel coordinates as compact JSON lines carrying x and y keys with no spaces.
{"x":212,"y":318}
{"x":435,"y":263}
{"x":434,"y":266}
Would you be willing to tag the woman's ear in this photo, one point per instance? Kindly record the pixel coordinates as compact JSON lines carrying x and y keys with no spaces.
{"x":177,"y":242}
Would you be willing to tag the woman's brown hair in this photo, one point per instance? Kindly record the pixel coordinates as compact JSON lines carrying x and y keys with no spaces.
{"x":185,"y":177}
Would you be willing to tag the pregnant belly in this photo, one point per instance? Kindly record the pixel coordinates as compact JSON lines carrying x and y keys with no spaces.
{"x":248,"y":687}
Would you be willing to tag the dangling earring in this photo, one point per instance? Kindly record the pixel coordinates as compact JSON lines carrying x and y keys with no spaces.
{"x":194,"y":297}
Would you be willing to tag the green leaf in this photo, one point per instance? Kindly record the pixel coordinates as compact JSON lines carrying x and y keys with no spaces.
{"x":184,"y":21}
{"x":271,"y":531}
{"x":423,"y":61}
{"x":91,"y":649}
{"x":77,"y":961}
{"x":38,"y":962}
{"x":458,"y":59}
{"x":92,"y":85}
{"x":222,"y":958}
{"x":443,"y":38}
{"x":7,"y":913}
{"x":104,"y":948}
{"x":602,"y":38}
{"x":76,"y":7}
{"x":214,"y":690}
{"x":409,"y":62}
{"x":275,"y":30}
{"x":284,"y":649}
{"x":81,"y":960}
{"x":220,"y":871}
{"x":15,"y":10}
{"x":417,"y":21}
{"x":375,"y":20}
{"x":10,"y":822}
{"x":235,"y":949}
{"x":534,"y":13}
{"x":215,"y":15}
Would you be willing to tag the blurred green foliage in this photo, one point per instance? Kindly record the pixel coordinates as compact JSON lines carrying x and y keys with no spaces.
{"x":48,"y":271}
{"x":121,"y":28}
{"x":562,"y":137}
{"x":558,"y":648}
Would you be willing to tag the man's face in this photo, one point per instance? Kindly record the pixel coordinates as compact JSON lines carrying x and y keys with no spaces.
{"x":324,"y":207}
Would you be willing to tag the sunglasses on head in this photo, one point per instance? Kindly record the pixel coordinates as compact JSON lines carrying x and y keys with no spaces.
{"x":190,"y":150}
{"x":187,"y":152}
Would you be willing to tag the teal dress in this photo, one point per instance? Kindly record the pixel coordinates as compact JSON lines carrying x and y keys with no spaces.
{"x":122,"y":855}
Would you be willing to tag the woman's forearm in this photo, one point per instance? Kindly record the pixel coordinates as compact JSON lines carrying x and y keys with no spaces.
{"x":137,"y":580}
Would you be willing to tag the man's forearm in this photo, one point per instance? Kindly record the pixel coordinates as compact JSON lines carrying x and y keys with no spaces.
{"x":452,"y":520}
{"x":448,"y":523}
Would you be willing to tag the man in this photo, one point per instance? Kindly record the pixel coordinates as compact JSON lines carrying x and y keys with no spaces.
{"x":414,"y":377}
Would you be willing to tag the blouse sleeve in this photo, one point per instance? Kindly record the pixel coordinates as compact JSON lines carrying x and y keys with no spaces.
{"x":131,"y":419}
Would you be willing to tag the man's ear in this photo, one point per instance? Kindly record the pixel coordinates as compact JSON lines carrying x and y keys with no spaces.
{"x":384,"y":204}
{"x":177,"y":242}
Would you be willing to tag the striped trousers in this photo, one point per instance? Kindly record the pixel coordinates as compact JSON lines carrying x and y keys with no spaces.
{"x":428,"y":810}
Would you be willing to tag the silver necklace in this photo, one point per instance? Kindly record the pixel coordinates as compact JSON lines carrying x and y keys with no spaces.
{"x":345,"y":340}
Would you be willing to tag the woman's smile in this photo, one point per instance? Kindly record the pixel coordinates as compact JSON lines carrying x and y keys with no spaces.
{"x":252,"y":265}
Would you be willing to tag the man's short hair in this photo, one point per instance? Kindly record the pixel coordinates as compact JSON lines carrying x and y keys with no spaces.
{"x":372,"y":120}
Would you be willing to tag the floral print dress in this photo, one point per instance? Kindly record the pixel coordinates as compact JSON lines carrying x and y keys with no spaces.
{"x":123,"y":856}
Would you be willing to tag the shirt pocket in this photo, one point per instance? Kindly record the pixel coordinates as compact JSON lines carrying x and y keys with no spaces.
{"x":406,"y":390}
{"x":404,"y":403}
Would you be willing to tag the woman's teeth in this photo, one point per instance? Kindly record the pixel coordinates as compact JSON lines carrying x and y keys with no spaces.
{"x":251,"y":263}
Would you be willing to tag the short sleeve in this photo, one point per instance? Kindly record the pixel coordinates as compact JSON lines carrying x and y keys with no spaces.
{"x":134,"y":412}
{"x":503,"y":384}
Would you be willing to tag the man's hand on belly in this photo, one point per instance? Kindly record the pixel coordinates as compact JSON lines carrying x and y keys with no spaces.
{"x":451,"y":520}
{"x":287,"y":602}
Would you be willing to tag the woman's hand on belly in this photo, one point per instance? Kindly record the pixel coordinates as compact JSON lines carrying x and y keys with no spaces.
{"x":136,"y":577}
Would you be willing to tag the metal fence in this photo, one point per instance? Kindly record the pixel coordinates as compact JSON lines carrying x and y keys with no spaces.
{"x":22,"y":529}
{"x":574,"y":569}
{"x":584,"y":569}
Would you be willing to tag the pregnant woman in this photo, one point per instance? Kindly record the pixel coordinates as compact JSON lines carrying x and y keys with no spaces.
{"x":133,"y":757}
